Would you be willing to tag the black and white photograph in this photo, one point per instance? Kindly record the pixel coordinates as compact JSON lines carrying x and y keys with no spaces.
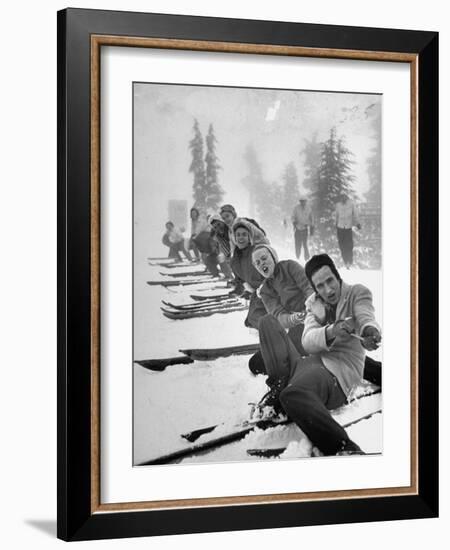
{"x":224,"y":230}
{"x":257,"y":274}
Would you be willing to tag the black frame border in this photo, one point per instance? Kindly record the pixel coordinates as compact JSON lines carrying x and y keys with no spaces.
{"x":75,"y":520}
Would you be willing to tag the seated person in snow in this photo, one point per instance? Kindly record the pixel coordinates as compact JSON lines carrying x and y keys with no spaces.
{"x":199,"y":225}
{"x":247,"y":278}
{"x":229,"y":216}
{"x":221,"y":235}
{"x":339,"y":327}
{"x":173,"y":238}
{"x":283,"y":293}
{"x":207,"y":246}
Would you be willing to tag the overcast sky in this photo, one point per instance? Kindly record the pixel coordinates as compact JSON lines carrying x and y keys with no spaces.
{"x":275,"y":122}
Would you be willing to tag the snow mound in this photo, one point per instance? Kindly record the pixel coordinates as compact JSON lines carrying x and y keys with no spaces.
{"x":298,"y":449}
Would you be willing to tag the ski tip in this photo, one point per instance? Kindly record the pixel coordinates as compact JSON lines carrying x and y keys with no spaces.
{"x":267,"y":452}
{"x":159,"y":365}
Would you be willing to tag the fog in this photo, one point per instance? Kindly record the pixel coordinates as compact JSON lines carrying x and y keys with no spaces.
{"x":274,"y":122}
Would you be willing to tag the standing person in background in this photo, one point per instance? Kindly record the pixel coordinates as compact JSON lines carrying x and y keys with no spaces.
{"x":173,"y":237}
{"x":346,"y":217}
{"x":198,"y":225}
{"x":302,"y":221}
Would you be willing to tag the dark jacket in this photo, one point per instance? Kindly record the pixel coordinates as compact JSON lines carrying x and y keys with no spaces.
{"x":205,"y":242}
{"x":286,"y":291}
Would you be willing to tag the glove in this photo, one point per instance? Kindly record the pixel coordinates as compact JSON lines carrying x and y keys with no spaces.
{"x":358,"y":226}
{"x":248,"y":288}
{"x":341,"y":330}
{"x":371,"y":338}
{"x":297,"y":318}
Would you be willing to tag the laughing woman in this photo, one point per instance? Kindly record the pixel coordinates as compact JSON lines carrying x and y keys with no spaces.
{"x":283,"y":293}
{"x":248,"y":279}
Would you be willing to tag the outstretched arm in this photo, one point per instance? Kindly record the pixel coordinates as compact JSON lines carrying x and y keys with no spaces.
{"x":364,"y":317}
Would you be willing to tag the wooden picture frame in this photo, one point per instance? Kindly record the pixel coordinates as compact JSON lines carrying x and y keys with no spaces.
{"x":81,"y":35}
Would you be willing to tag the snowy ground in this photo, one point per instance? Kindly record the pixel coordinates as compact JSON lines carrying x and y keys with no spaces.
{"x":185,"y":397}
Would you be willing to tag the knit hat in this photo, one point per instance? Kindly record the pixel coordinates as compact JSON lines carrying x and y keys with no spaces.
{"x":241,"y":222}
{"x":228,"y":208}
{"x":317,"y":262}
{"x":215,"y":218}
{"x":269,"y":248}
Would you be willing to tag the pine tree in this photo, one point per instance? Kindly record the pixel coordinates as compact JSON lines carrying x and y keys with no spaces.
{"x":254,"y":180}
{"x":213,"y":190}
{"x":371,"y":237}
{"x":269,"y":210}
{"x":290,"y":192}
{"x":197,"y":167}
{"x":334,"y":178}
{"x":265,"y":198}
{"x":311,"y":152}
{"x":373,"y":194}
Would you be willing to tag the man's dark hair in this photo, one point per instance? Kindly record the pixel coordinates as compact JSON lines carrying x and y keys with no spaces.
{"x":170,"y":223}
{"x":317,"y":262}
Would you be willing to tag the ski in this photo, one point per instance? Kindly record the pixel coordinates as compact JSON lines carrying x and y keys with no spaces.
{"x":195,"y":434}
{"x":202,"y":273}
{"x":161,"y":364}
{"x":238,"y":432}
{"x":196,"y":305}
{"x":208,"y":307}
{"x":180,"y":315}
{"x":193,"y":282}
{"x":161,"y":258}
{"x":189,"y":356}
{"x":218,"y":297}
{"x":208,"y":354}
{"x":273,"y":452}
{"x":175,"y":265}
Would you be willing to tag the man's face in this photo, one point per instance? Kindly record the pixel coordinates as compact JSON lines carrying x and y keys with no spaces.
{"x":217,"y":226}
{"x":264,"y":263}
{"x":242,"y":237}
{"x":228,"y":218}
{"x":327,"y":285}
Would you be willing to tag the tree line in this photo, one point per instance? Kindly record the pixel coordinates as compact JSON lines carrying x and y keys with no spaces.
{"x":207,"y":192}
{"x":328,"y":173}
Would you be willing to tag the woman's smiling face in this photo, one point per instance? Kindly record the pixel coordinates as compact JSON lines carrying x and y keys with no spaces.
{"x":242,"y":237}
{"x":264,"y":262}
